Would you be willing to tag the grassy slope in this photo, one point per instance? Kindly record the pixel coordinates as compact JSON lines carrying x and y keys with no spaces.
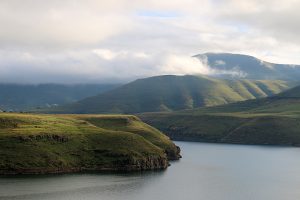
{"x":169,"y":93}
{"x":66,"y":143}
{"x":274,"y":120}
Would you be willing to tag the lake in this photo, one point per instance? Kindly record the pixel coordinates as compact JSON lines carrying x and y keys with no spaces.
{"x":206,"y":172}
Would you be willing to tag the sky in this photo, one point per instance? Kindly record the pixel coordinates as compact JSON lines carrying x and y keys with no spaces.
{"x":99,"y":41}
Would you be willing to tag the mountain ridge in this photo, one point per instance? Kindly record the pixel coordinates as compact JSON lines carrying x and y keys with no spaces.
{"x":22,"y":97}
{"x":170,"y":92}
{"x":248,"y":67}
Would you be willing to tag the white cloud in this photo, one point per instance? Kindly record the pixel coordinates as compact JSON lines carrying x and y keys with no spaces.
{"x":235,"y":72}
{"x":119,"y":40}
{"x":59,"y":23}
{"x":180,"y":65}
{"x":220,"y":62}
{"x":105,"y":53}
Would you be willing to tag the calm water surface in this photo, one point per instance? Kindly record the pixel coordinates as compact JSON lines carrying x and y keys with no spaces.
{"x":206,"y":172}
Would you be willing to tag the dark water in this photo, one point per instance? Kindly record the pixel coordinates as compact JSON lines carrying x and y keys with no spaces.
{"x":206,"y":172}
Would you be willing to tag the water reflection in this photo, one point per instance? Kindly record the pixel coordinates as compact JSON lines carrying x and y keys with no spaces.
{"x":80,"y":186}
{"x":207,"y":171}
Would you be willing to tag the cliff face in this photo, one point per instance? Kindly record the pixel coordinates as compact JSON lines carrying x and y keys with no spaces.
{"x":174,"y":154}
{"x":147,"y":163}
{"x":39,"y":144}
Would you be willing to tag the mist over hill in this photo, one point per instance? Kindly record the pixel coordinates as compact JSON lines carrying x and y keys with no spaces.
{"x":227,"y":65}
{"x":233,"y":77}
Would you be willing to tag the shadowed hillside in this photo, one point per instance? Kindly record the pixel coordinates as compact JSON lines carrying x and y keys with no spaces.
{"x":18,"y":97}
{"x":273,"y":120}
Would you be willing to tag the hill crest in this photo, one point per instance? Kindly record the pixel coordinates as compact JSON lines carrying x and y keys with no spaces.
{"x":171,"y":93}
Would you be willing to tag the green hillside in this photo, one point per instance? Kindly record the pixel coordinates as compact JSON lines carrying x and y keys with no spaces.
{"x":71,"y":143}
{"x":171,"y":93}
{"x":273,"y":120}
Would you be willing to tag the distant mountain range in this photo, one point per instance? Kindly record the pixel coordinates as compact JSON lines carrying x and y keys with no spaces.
{"x":272,"y":120}
{"x":228,"y":65}
{"x":18,"y":97}
{"x":234,"y":78}
{"x":171,"y":93}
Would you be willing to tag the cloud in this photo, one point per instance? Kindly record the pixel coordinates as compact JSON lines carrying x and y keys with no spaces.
{"x":180,"y":65}
{"x":235,"y":72}
{"x":60,"y":24}
{"x":220,"y":62}
{"x":105,"y":54}
{"x":120,"y":40}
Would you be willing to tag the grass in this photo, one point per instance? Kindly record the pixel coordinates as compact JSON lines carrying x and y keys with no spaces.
{"x":31,"y":143}
{"x":172,"y":93}
{"x":273,"y":120}
{"x":242,"y":128}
